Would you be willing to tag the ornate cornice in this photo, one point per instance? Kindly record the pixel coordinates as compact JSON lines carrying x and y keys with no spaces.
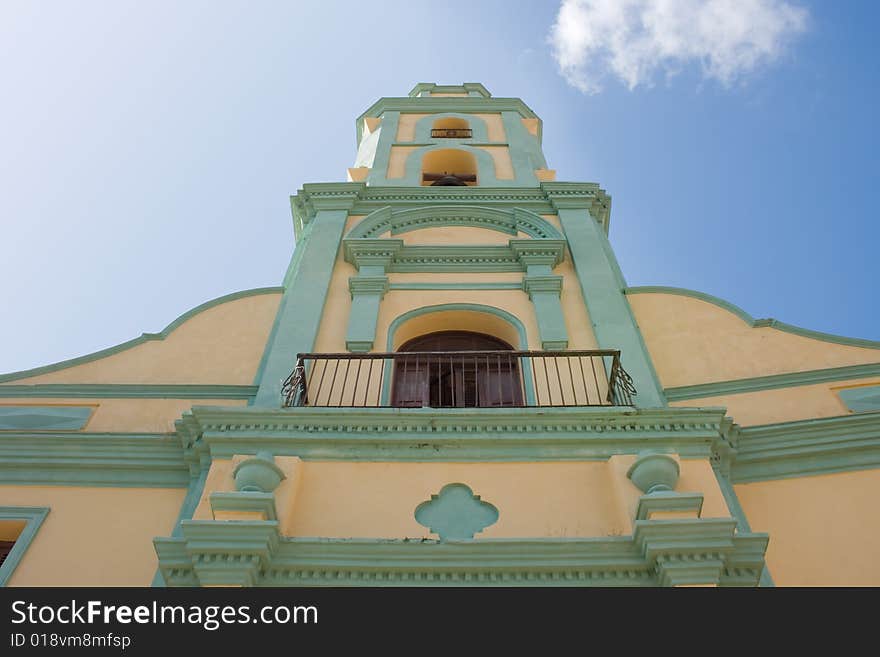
{"x":396,"y":434}
{"x":92,"y":459}
{"x":667,"y":552}
{"x":358,"y":198}
{"x":806,"y":447}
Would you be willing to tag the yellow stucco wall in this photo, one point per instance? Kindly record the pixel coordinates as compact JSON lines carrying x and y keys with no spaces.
{"x":94,"y":536}
{"x":503,"y":164}
{"x":546,"y":499}
{"x":783,"y":404}
{"x":397,"y":161}
{"x":221,"y":345}
{"x":693,"y":341}
{"x":823,"y":530}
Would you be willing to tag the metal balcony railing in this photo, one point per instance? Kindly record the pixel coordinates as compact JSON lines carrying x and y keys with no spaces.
{"x":451,"y":133}
{"x":459,"y":379}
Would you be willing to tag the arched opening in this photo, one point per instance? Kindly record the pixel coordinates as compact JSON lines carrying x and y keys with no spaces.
{"x":451,"y":127}
{"x":456,"y":369}
{"x":449,"y":167}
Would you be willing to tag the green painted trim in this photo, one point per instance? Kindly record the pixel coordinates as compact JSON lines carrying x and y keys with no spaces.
{"x":751,"y":321}
{"x":807,"y":448}
{"x":93,"y":459}
{"x":369,"y":198}
{"x":431,"y":105}
{"x":471,"y":88}
{"x":444,"y":307}
{"x":772,"y":381}
{"x":301,"y":308}
{"x":486,"y":435}
{"x":146,"y":337}
{"x":509,"y":222}
{"x":742,"y":521}
{"x":610,"y":314}
{"x":34,"y":517}
{"x":38,"y":418}
{"x":128,"y":391}
{"x":864,"y":399}
{"x":187,"y":510}
{"x":500,"y":285}
{"x":254,"y":553}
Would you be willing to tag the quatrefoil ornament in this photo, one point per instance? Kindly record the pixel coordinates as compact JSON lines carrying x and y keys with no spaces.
{"x":456,"y":513}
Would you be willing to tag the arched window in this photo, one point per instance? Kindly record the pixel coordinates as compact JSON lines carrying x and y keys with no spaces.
{"x":456,"y":369}
{"x":451,"y":128}
{"x":449,"y":166}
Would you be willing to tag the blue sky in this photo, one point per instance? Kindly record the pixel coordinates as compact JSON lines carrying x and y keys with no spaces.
{"x":148,"y":150}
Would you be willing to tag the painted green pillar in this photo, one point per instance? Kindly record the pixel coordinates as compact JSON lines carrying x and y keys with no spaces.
{"x":299,"y":315}
{"x":602,"y":285}
{"x":544,"y":287}
{"x":372,"y":257}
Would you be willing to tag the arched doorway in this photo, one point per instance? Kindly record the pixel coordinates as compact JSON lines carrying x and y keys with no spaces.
{"x":456,"y":369}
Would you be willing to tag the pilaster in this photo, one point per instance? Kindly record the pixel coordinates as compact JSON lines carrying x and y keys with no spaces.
{"x":603,"y":287}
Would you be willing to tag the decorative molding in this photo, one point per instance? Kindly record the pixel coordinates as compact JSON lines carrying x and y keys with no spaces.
{"x":660,"y":552}
{"x":93,"y":459}
{"x":509,"y":222}
{"x":806,"y":448}
{"x":751,"y":321}
{"x":128,"y":391}
{"x":33,"y":517}
{"x":500,"y":285}
{"x":861,"y":399}
{"x":146,"y":337}
{"x":772,"y":381}
{"x":38,"y":418}
{"x":481,"y":435}
{"x":455,"y":513}
{"x":375,"y":197}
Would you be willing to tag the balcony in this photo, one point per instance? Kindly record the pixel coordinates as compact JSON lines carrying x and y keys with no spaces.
{"x":451,"y":133}
{"x":459,"y":379}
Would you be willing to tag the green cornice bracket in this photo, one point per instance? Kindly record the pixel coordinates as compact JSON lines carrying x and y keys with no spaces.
{"x":538,"y":253}
{"x":371,"y":252}
{"x":602,"y":285}
{"x":33,"y":516}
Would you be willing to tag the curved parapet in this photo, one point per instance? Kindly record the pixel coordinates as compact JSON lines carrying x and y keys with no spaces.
{"x":219,"y":341}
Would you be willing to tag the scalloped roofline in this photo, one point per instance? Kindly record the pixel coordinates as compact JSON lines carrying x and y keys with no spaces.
{"x":751,"y":321}
{"x":141,"y":339}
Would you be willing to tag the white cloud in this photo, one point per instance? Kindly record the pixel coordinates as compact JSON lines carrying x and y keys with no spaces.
{"x":635,"y":40}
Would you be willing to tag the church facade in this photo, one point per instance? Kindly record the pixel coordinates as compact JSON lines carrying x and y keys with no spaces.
{"x":453,"y":385}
